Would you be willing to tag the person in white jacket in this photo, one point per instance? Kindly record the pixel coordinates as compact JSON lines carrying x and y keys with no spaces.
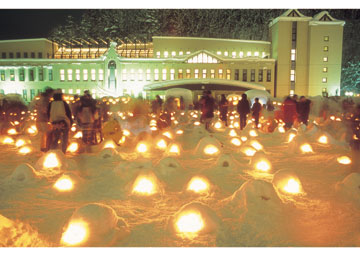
{"x":60,"y":117}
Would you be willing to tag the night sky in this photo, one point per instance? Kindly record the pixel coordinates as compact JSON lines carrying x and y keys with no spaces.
{"x":33,"y":23}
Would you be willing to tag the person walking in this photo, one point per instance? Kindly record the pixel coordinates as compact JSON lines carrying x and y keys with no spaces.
{"x":304,"y":110}
{"x":256,"y":109}
{"x":42,"y":125}
{"x":223,"y":108}
{"x":59,"y":114}
{"x":243,"y":108}
{"x":85,"y":117}
{"x":207,"y":109}
{"x":156,"y":105}
{"x":290,"y":113}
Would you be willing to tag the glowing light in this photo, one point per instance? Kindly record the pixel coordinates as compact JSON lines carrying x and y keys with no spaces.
{"x":31,"y":130}
{"x":256,"y":145}
{"x":174,"y":149}
{"x":218,"y":125}
{"x":126,"y":132}
{"x":153,"y":128}
{"x":236,"y":125}
{"x":51,"y":161}
{"x":8,"y":140}
{"x":179,"y":132}
{"x":12,"y":131}
{"x":73,"y":147}
{"x":197,"y":123}
{"x":344,"y":160}
{"x":338,"y":119}
{"x":253,"y":133}
{"x":263,"y":166}
{"x":332,"y":118}
{"x":306,"y":148}
{"x":323,"y":139}
{"x":144,"y":186}
{"x":20,"y":143}
{"x":141,"y":148}
{"x":110,"y":144}
{"x":211,"y":150}
{"x":76,"y":233}
{"x":73,"y":129}
{"x":167,"y":134}
{"x":161,"y":144}
{"x":24,"y":150}
{"x":291,"y":137}
{"x":292,"y":186}
{"x":198,"y":185}
{"x":78,"y":135}
{"x":281,"y":129}
{"x":249,"y":152}
{"x":64,"y":184}
{"x":190,"y":223}
{"x":16,"y":123}
{"x":243,"y":138}
{"x":236,"y":142}
{"x":232,"y":133}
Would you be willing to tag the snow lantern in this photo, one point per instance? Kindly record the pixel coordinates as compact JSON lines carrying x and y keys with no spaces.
{"x":233,"y":133}
{"x":253,"y":133}
{"x":32,"y":130}
{"x":161,"y":144}
{"x":76,"y":233}
{"x":211,"y":150}
{"x":8,"y":140}
{"x":260,"y":162}
{"x":248,"y":151}
{"x":145,"y":185}
{"x":236,"y":142}
{"x":323,"y":139}
{"x":287,"y":182}
{"x":24,"y":173}
{"x":243,"y":138}
{"x":25,"y":150}
{"x":64,"y":184}
{"x":173,"y":150}
{"x":349,"y":187}
{"x":73,"y":147}
{"x":306,"y":148}
{"x":12,"y":131}
{"x":344,"y":160}
{"x":78,"y":135}
{"x":198,"y":185}
{"x":51,"y":161}
{"x":255,"y":144}
{"x":291,"y":137}
{"x":168,"y":134}
{"x":109,"y":144}
{"x":179,"y":132}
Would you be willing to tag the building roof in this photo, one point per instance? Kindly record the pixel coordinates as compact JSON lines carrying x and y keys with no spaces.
{"x":24,"y":40}
{"x":212,"y":39}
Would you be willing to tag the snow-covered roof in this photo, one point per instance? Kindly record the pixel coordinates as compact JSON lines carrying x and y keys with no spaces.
{"x":25,"y":40}
{"x":324,"y":18}
{"x":290,"y":15}
{"x":212,"y":39}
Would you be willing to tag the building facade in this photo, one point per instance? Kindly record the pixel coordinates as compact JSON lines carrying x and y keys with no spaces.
{"x":303,"y":56}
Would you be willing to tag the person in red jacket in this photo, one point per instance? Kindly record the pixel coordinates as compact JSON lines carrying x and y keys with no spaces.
{"x":290,"y":113}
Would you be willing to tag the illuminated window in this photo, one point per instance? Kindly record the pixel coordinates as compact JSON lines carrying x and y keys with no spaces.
{"x":324,"y":80}
{"x":188,"y":52}
{"x":241,"y":54}
{"x":256,"y":54}
{"x":220,"y":74}
{"x":173,"y":54}
{"x":180,"y":74}
{"x":292,"y":92}
{"x":41,"y":74}
{"x":22,"y":74}
{"x":260,"y":75}
{"x":226,"y":53}
{"x":63,"y":90}
{"x":166,"y":54}
{"x":124,"y":73}
{"x":228,"y":74}
{"x":263,"y":54}
{"x":244,"y":75}
{"x":268,"y":75}
{"x":218,"y":52}
{"x":164,"y":74}
{"x":326,"y":48}
{"x":140,"y":74}
{"x":156,"y":74}
{"x":77,"y":74}
{"x":196,"y":73}
{"x":2,"y":75}
{"x":132,"y":74}
{"x":93,"y":74}
{"x":25,"y":94}
{"x":172,"y":74}
{"x":292,"y":75}
{"x":70,"y":74}
{"x":212,"y":73}
{"x":293,"y":54}
{"x":62,"y":74}
{"x":248,"y":54}
{"x":325,"y":59}
{"x":77,"y":91}
{"x":188,"y":73}
{"x":181,"y":53}
{"x":204,"y":73}
{"x":325,"y":70}
{"x":50,"y":74}
{"x":326,"y":38}
{"x":70,"y":91}
{"x":101,"y":75}
{"x":85,"y":74}
{"x":233,"y":54}
{"x":148,"y":74}
{"x":252,"y":75}
{"x":158,"y":55}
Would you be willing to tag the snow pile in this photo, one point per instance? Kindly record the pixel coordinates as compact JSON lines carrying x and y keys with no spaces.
{"x":287,"y":183}
{"x":208,"y":147}
{"x":19,"y":234}
{"x":98,"y":225}
{"x":349,"y":188}
{"x":170,"y":171}
{"x":53,"y":163}
{"x":109,"y":154}
{"x":24,"y":174}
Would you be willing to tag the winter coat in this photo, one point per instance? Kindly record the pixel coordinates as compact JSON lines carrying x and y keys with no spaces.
{"x":289,"y":109}
{"x":86,"y":111}
{"x":304,"y":108}
{"x":59,"y":110}
{"x":243,"y":107}
{"x":223,"y":106}
{"x":208,"y":106}
{"x":256,"y":108}
{"x":41,"y":108}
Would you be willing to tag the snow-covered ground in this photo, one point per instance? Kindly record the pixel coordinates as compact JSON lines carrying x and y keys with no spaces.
{"x":178,"y":195}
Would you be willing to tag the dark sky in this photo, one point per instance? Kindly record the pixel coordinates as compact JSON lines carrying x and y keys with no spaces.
{"x":33,"y":23}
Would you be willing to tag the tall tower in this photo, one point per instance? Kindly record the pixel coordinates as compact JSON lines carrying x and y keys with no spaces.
{"x":306,"y":64}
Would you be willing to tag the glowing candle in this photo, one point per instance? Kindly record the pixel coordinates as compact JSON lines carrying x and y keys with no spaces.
{"x":64,"y":184}
{"x":198,"y":185}
{"x":190,"y":223}
{"x":51,"y":161}
{"x":292,"y":186}
{"x":344,"y":160}
{"x":76,"y":233}
{"x":211,"y":150}
{"x":306,"y":148}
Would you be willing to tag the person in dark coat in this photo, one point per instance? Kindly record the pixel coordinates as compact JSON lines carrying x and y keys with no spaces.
{"x":290,"y":113}
{"x":223,"y":108}
{"x":60,"y":117}
{"x":256,"y":109}
{"x":156,"y":105}
{"x":304,"y":109}
{"x":243,"y":108}
{"x":207,"y":108}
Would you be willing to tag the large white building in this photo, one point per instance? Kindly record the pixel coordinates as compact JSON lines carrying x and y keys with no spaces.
{"x":303,"y":56}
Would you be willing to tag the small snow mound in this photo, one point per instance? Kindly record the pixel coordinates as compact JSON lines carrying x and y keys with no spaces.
{"x":226,"y":161}
{"x":261,"y":162}
{"x":24,"y":173}
{"x":109,"y":153}
{"x":208,"y":147}
{"x":194,"y":219}
{"x":54,"y":162}
{"x":103,"y":226}
{"x":145,"y":183}
{"x":287,"y":183}
{"x":168,"y":166}
{"x":350,"y":187}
